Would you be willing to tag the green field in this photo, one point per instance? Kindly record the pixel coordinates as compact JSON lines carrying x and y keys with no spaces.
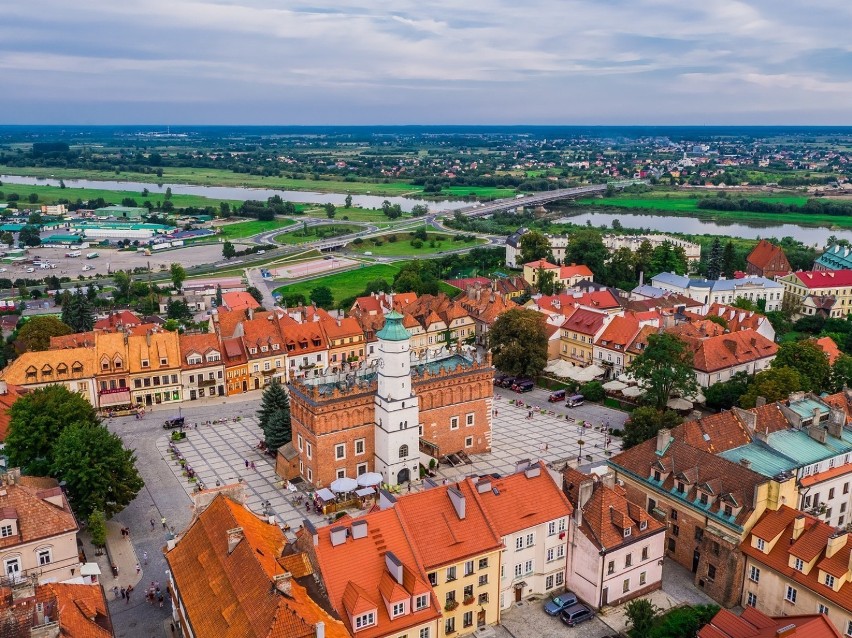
{"x":344,"y":284}
{"x":402,"y":246}
{"x":679,"y":202}
{"x":51,"y":194}
{"x":250,"y":228}
{"x":315,"y":233}
{"x":354,"y":214}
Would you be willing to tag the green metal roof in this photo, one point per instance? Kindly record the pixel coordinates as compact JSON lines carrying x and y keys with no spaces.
{"x":62,"y":238}
{"x":805,"y":407}
{"x":393,"y":329}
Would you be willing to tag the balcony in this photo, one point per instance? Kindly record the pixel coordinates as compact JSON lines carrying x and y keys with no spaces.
{"x":270,"y":372}
{"x":451,"y":605}
{"x":206,"y":383}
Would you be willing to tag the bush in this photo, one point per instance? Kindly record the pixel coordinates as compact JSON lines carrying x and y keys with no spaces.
{"x":358,"y":241}
{"x":391,"y":239}
{"x":593,"y":391}
{"x":416,"y":243}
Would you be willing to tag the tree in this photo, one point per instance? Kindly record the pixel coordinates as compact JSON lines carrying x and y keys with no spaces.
{"x":547,"y":282}
{"x":744,"y":304}
{"x":36,"y":421}
{"x":419,"y":210}
{"x":348,"y":201}
{"x":841,"y":373}
{"x":519,"y":342}
{"x":168,"y":194}
{"x":279,"y":430}
{"x":714,"y":261}
{"x":7,"y":238}
{"x":645,"y":422}
{"x":99,"y":472}
{"x":724,"y":396}
{"x":729,"y":260}
{"x":77,"y":312}
{"x":809,"y":360}
{"x":621,"y":270}
{"x":683,"y":622}
{"x":593,"y":391}
{"x":586,"y":247}
{"x":29,"y":235}
{"x":37,"y":331}
{"x":219,"y":296}
{"x":534,"y":246}
{"x":664,"y":367}
{"x":178,"y":310}
{"x":255,"y":293}
{"x":322,"y":297}
{"x":643,"y":258}
{"x":774,"y":384}
{"x":121,"y":280}
{"x":228,"y":250}
{"x":668,"y":258}
{"x":641,"y":613}
{"x":178,"y":274}
{"x":273,"y":400}
{"x":97,"y":528}
{"x":330,"y":210}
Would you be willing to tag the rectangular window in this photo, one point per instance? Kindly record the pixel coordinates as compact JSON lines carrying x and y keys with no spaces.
{"x":467,"y":619}
{"x":711,"y":571}
{"x":450,"y":623}
{"x":754,"y":574}
{"x":751,"y":600}
{"x":560,"y":578}
{"x":340,"y":451}
{"x":483,"y":563}
{"x":673,"y":515}
{"x":365,"y":620}
{"x":790,"y":596}
{"x":468,"y":568}
{"x":309,"y":450}
{"x":421,"y":602}
{"x":468,"y":442}
{"x":610,"y":567}
{"x":645,"y":553}
{"x":672,"y":545}
{"x":43,"y":556}
{"x":551,"y":554}
{"x":519,"y":570}
{"x":451,"y":573}
{"x":761,"y":544}
{"x":799,"y":564}
{"x":398,"y":610}
{"x":424,"y":633}
{"x":483,"y":580}
{"x":829,"y":580}
{"x":469,"y":419}
{"x":675,"y":530}
{"x":528,"y":567}
{"x":530,"y":540}
{"x":628,"y":560}
{"x":454,"y":423}
{"x":433,"y":578}
{"x":642,"y":577}
{"x":5,"y":531}
{"x":548,"y":582}
{"x":359,"y":446}
{"x":519,"y":543}
{"x":301,"y":442}
{"x":625,"y":586}
{"x":822,"y":609}
{"x":551,"y":528}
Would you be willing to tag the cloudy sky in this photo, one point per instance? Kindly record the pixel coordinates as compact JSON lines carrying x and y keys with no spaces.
{"x":426,"y":62}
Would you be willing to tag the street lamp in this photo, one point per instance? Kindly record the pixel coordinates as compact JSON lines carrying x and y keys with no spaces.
{"x":581,"y":443}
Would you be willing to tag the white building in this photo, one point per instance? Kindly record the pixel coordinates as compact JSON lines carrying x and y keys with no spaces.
{"x":723,"y":291}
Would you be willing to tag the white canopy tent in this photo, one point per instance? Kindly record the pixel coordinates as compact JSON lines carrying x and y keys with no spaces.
{"x":346,"y":484}
{"x":614,"y":386}
{"x":633,"y":391}
{"x":679,"y":404}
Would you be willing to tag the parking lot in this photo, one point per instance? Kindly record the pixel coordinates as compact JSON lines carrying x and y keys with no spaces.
{"x":527,"y":618}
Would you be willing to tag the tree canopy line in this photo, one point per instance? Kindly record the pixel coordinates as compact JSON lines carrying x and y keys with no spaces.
{"x":812,"y":206}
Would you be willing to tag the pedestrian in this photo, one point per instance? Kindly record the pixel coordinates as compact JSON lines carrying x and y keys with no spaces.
{"x":115,"y":591}
{"x":123,"y":594}
{"x":157,"y":585}
{"x":545,"y":447}
{"x":496,"y":412}
{"x":153,"y":524}
{"x":163,"y":521}
{"x":129,"y":589}
{"x":138,"y":569}
{"x":160,"y":598}
{"x":144,"y":558}
{"x":247,"y":463}
{"x":253,"y":467}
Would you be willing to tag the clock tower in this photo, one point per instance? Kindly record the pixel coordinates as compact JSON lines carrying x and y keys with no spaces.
{"x":397,"y":440}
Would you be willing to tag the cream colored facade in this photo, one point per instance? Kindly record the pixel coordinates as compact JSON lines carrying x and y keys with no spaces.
{"x":468,"y":593}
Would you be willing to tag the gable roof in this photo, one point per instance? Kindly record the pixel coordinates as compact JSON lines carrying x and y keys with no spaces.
{"x":729,"y":350}
{"x":239,"y":300}
{"x":79,"y":609}
{"x":232,"y":595}
{"x":200,"y":344}
{"x":762,"y":255}
{"x":823,"y":279}
{"x":585,"y":321}
{"x":33,"y":501}
{"x":608,"y":513}
{"x":830,"y":349}
{"x":755,"y":624}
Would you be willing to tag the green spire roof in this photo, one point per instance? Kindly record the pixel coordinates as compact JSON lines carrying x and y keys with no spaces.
{"x":393,"y":329}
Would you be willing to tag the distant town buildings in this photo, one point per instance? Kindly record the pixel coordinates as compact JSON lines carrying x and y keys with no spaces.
{"x":723,"y":291}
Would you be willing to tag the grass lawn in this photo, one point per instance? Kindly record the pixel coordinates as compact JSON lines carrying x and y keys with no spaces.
{"x":219,"y":177}
{"x":315,"y":232}
{"x":486,"y":192}
{"x":344,"y":284}
{"x":678,"y":202}
{"x":403,"y":245}
{"x":51,"y":194}
{"x":240,"y":230}
{"x":356,"y":214}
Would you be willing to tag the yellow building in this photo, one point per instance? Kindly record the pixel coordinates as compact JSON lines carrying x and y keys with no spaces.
{"x":818,"y":292}
{"x":155,"y":366}
{"x":75,"y":368}
{"x":579,"y":333}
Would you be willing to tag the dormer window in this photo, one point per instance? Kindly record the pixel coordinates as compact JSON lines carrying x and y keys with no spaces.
{"x":105,"y":364}
{"x":164,"y":361}
{"x":118,"y":363}
{"x":703,"y":498}
{"x":77,"y":368}
{"x":62,"y":369}
{"x":643,"y":525}
{"x":264,"y":348}
{"x":275,"y":346}
{"x":657,"y":475}
{"x":146,"y":363}
{"x":398,"y":609}
{"x":421,"y":602}
{"x":761,"y":544}
{"x":681,"y":487}
{"x":7,"y":530}
{"x":252,"y":350}
{"x":212,"y":357}
{"x":365,"y":620}
{"x":729,"y":511}
{"x":628,"y":531}
{"x":193,"y":359}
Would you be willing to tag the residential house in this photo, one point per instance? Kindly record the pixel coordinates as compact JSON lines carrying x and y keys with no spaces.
{"x":75,"y":368}
{"x":460,"y":552}
{"x":510,"y":287}
{"x":579,"y":333}
{"x":264,"y":343}
{"x":565,"y":276}
{"x":718,"y":358}
{"x":346,"y":341}
{"x":723,"y":291}
{"x":381,"y":303}
{"x":634,"y":242}
{"x":155,"y":368}
{"x":767,"y":260}
{"x":739,"y":319}
{"x":113,"y":371}
{"x":616,"y":551}
{"x":755,"y":624}
{"x":435,"y":322}
{"x":202,"y":368}
{"x":306,"y":349}
{"x":484,"y":305}
{"x":708,"y":503}
{"x":797,"y":564}
{"x":38,"y":531}
{"x":239,"y":300}
{"x":231,"y":574}
{"x":827,"y":293}
{"x":827,"y":345}
{"x":610,"y":349}
{"x":66,"y":610}
{"x":118,"y":321}
{"x":236,"y":365}
{"x":531,"y":514}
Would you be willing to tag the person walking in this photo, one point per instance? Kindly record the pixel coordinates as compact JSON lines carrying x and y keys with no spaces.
{"x":163,"y":521}
{"x":253,"y":466}
{"x":247,"y":463}
{"x":160,"y":599}
{"x":129,"y":589}
{"x":144,"y":558}
{"x":153,"y":524}
{"x":138,"y":569}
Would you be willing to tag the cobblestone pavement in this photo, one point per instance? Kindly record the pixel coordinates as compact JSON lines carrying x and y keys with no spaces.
{"x":527,"y":619}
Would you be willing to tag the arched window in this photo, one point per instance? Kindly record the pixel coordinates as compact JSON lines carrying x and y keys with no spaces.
{"x":403,"y":451}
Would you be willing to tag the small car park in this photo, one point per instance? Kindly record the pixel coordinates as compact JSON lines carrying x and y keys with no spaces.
{"x":523,"y":385}
{"x":176,"y":422}
{"x":508,"y":382}
{"x":576,"y":614}
{"x":558,"y":604}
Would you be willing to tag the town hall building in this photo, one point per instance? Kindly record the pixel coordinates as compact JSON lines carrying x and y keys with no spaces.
{"x":392,"y":415}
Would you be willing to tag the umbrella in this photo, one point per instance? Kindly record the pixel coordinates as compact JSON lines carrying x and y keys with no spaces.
{"x":325,"y":494}
{"x":614,"y":386}
{"x":679,"y":404}
{"x":343,"y":485}
{"x":697,"y":398}
{"x":625,"y":378}
{"x":633,"y":391}
{"x":588,"y":373}
{"x":369,"y":479}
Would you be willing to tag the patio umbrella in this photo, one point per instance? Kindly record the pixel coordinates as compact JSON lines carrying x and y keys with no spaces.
{"x":679,"y":404}
{"x":614,"y":386}
{"x":369,"y":479}
{"x":625,"y":378}
{"x":633,"y":391}
{"x":341,"y":485}
{"x":697,"y":398}
{"x":588,"y":373}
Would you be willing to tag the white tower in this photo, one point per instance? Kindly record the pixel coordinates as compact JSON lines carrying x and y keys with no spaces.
{"x":397,"y":439}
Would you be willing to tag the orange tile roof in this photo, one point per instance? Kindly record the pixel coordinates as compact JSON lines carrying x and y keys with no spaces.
{"x":227,"y":321}
{"x":714,"y":433}
{"x":304,"y":338}
{"x":830,"y":348}
{"x":619,"y":332}
{"x":345,"y":327}
{"x":810,"y":544}
{"x":755,"y":624}
{"x":235,"y":352}
{"x":737,"y":318}
{"x":541,"y":263}
{"x":521,"y":502}
{"x":116,"y":319}
{"x":361,"y":589}
{"x":585,"y":322}
{"x":80,"y":610}
{"x":37,"y":517}
{"x":441,"y":538}
{"x":733,"y":349}
{"x":569,"y":272}
{"x":819,"y":477}
{"x":640,"y":342}
{"x":762,"y":255}
{"x":200,"y":344}
{"x":7,"y":399}
{"x":239,"y":300}
{"x":232,"y":595}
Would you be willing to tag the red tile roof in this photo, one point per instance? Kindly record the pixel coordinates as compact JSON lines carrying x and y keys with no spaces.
{"x":7,"y":399}
{"x":239,"y":300}
{"x":584,"y":321}
{"x":762,"y":255}
{"x":37,"y":517}
{"x":569,"y":272}
{"x":200,"y":344}
{"x":619,"y":332}
{"x":728,"y":350}
{"x":824,"y":279}
{"x":115,"y":319}
{"x":541,"y":263}
{"x":830,"y":348}
{"x":81,"y":610}
{"x":714,"y":433}
{"x":754,"y":624}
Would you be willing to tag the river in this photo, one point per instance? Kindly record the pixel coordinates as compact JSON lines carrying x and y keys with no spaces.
{"x":816,"y":236}
{"x":238,"y":193}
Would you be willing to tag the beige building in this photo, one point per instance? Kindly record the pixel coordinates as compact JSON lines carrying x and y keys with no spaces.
{"x":38,"y":531}
{"x":818,"y":292}
{"x":155,"y":368}
{"x":74,"y":368}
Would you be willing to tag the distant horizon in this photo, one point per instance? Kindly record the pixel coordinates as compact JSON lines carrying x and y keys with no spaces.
{"x":164,"y":126}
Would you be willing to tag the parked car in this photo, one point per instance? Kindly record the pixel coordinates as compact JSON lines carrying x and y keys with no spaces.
{"x":575,"y":400}
{"x":176,"y":422}
{"x":507,"y":382}
{"x":560,"y":603}
{"x":498,"y":379}
{"x":576,"y":614}
{"x":523,"y":385}
{"x":558,"y":395}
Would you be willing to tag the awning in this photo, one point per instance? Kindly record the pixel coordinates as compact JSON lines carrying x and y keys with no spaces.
{"x":365,"y":491}
{"x":633,"y":391}
{"x":614,"y":386}
{"x":120,"y":397}
{"x":679,"y":404}
{"x":326,"y":494}
{"x":345,"y":484}
{"x":369,"y":478}
{"x":584,"y":375}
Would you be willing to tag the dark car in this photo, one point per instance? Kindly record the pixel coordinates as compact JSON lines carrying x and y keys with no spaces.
{"x":523,"y":385}
{"x":508,"y":382}
{"x":575,"y":400}
{"x":498,"y":380}
{"x":556,"y":396}
{"x":560,"y":603}
{"x":576,"y":614}
{"x":177,"y":422}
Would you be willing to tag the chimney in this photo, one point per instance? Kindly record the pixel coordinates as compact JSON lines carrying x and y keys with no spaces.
{"x":250,"y":313}
{"x":532,"y":471}
{"x":483,"y":485}
{"x":4,"y":389}
{"x":835,"y":423}
{"x":320,"y":630}
{"x":283,"y":583}
{"x":394,"y":566}
{"x":309,"y":527}
{"x":458,"y":501}
{"x":359,"y":529}
{"x":586,"y":488}
{"x":818,"y":433}
{"x":521,"y":465}
{"x":608,"y":480}
{"x":663,"y":440}
{"x":745,"y":463}
{"x":759,"y":402}
{"x":234,"y":537}
{"x":748,"y":417}
{"x":835,"y":543}
{"x":799,"y":526}
{"x":786,"y":631}
{"x":386,"y":500}
{"x":338,"y":535}
{"x":148,"y":337}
